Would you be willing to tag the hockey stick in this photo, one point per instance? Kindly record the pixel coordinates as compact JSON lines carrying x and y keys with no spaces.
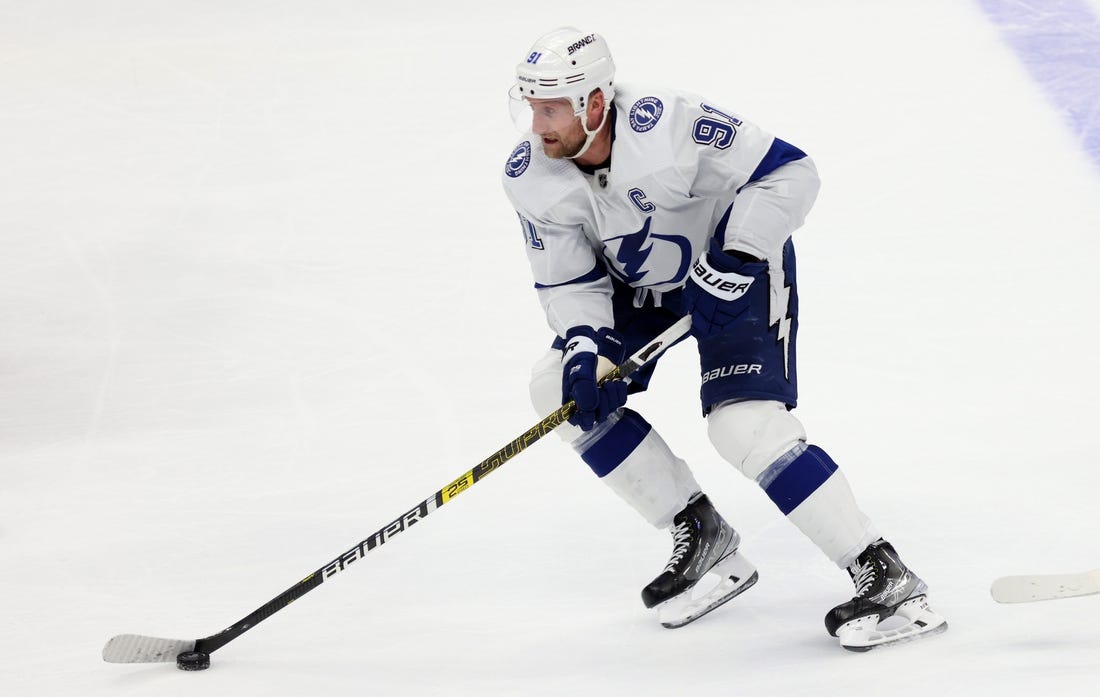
{"x":1035,"y":587}
{"x":194,"y":654}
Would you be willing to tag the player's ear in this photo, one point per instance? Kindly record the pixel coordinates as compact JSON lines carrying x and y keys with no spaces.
{"x":596,"y":102}
{"x":596,"y":105}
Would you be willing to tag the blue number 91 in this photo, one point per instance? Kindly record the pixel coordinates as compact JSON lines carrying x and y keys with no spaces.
{"x":709,"y":131}
{"x":718,"y":130}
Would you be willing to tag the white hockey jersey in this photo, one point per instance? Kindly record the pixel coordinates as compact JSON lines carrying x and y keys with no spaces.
{"x":680,"y":168}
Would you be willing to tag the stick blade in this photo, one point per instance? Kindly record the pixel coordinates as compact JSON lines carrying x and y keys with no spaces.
{"x":135,"y":648}
{"x":1036,"y":587}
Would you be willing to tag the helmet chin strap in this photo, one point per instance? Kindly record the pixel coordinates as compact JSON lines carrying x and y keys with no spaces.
{"x":591,"y":135}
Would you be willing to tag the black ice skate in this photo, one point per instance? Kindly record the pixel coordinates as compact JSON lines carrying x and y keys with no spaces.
{"x":703,"y":545}
{"x":890,"y":605}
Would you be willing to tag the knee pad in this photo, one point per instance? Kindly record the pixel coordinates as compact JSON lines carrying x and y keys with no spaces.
{"x":752,"y":435}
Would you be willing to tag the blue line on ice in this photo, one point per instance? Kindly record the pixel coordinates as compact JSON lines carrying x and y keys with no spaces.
{"x":1059,"y":43}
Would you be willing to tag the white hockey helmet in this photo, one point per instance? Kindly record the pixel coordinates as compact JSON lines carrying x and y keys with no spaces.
{"x":566,"y":63}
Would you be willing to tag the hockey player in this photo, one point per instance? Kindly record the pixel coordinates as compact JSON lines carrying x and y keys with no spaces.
{"x":639,"y":206}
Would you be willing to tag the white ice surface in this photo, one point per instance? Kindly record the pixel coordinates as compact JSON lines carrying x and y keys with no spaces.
{"x":260,"y":293}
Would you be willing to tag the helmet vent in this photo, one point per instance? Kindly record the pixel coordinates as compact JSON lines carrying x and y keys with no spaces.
{"x":567,"y":80}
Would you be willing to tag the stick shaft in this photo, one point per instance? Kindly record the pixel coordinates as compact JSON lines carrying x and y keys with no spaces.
{"x":423,"y":509}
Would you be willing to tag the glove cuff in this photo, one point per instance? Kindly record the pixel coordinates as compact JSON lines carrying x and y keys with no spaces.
{"x":724,"y":285}
{"x":579,"y":340}
{"x":610,"y":343}
{"x":606,"y":343}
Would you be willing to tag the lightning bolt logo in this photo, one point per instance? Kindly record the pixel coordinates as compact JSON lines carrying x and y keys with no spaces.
{"x":781,"y":316}
{"x":518,"y":160}
{"x":632,"y":253}
{"x":635,"y":250}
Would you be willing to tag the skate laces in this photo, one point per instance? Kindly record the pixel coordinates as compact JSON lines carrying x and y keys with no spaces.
{"x":681,"y":541}
{"x":863,"y":576}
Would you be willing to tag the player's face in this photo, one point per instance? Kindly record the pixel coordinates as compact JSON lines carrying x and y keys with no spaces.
{"x":559,"y":128}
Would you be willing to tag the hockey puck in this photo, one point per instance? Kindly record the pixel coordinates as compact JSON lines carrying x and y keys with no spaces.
{"x":193,"y":660}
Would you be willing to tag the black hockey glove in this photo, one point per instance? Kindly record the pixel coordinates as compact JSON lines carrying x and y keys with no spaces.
{"x":717,"y":291}
{"x":583,"y":348}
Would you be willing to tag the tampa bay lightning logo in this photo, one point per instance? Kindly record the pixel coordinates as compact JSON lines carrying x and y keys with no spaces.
{"x":645,"y":113}
{"x":635,"y":249}
{"x":518,"y":160}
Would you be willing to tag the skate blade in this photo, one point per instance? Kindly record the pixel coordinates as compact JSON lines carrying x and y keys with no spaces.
{"x":864,"y":633}
{"x":736,"y":575}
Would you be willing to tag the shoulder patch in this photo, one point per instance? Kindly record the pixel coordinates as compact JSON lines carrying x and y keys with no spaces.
{"x":518,"y":160}
{"x":645,"y":113}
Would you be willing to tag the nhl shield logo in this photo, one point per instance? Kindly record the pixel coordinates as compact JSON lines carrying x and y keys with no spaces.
{"x":645,"y":113}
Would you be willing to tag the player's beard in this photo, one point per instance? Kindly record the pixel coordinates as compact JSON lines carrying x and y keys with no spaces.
{"x":566,"y":144}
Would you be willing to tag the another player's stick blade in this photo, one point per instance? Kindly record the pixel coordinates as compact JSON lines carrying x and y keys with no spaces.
{"x":1036,"y":587}
{"x":135,"y":648}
